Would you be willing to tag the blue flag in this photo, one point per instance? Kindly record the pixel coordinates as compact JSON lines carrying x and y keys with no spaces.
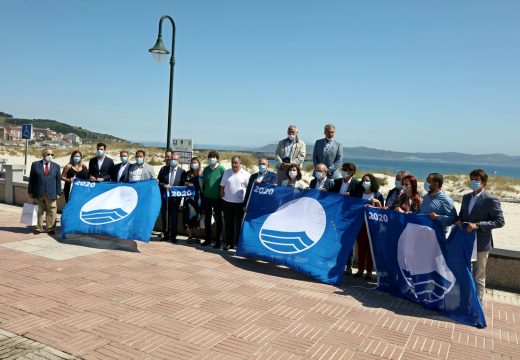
{"x":415,"y":261}
{"x":180,"y":191}
{"x":307,"y":230}
{"x":122,"y":210}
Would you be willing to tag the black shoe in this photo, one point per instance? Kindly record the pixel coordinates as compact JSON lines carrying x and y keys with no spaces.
{"x":205,"y":243}
{"x":358,"y":274}
{"x":348,"y":270}
{"x":174,"y":241}
{"x":51,"y":232}
{"x":216,"y":246}
{"x":37,"y":231}
{"x":225,"y":247}
{"x":165,"y":238}
{"x":190,"y":240}
{"x":369,"y":277}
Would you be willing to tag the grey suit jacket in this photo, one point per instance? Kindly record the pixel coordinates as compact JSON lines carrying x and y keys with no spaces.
{"x":297,"y":157}
{"x":332,"y":157}
{"x":148,"y":172}
{"x":487,"y":213}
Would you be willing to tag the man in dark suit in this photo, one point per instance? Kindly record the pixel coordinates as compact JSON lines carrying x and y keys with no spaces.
{"x":264,"y":176}
{"x":170,"y":175}
{"x":321,"y":181}
{"x":121,"y":170}
{"x":45,"y":188}
{"x":346,"y":184}
{"x":101,"y":167}
{"x":481,"y":212}
{"x":329,"y":152}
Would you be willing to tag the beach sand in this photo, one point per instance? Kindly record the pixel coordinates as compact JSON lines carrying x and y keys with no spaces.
{"x":504,"y":238}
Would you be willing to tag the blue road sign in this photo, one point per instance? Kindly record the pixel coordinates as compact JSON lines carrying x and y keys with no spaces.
{"x":27,"y":131}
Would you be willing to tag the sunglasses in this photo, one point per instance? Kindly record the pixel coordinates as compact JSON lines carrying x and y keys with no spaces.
{"x":49,"y":154}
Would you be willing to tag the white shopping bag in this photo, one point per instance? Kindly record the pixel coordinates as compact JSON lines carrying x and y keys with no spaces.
{"x":202,"y":219}
{"x":29,"y":214}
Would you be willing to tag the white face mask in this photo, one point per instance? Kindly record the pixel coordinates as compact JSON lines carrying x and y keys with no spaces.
{"x":293,"y":174}
{"x":366,"y":185}
{"x":48,"y":158}
{"x":292,"y":137}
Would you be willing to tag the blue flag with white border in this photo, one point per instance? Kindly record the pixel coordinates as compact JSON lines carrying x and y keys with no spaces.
{"x":415,"y":261}
{"x":309,"y":231}
{"x":122,"y":210}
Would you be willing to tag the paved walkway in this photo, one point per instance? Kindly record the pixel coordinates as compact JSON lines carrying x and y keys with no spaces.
{"x":122,"y":300}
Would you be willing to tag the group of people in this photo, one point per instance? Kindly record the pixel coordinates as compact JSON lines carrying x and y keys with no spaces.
{"x":222,"y":195}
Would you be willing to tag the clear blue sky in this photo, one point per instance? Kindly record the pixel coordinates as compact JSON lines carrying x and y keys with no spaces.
{"x":412,"y":75}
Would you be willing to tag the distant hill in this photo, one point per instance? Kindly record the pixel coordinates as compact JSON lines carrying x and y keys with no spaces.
{"x":363,"y":152}
{"x":84,"y":134}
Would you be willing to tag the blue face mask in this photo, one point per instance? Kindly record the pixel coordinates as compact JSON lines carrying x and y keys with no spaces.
{"x":173,"y":163}
{"x":123,"y":159}
{"x":426,"y":186}
{"x":262,"y":168}
{"x":194,"y":166}
{"x":139,"y":161}
{"x":475,"y":184}
{"x":100,"y":152}
{"x":366,"y":185}
{"x":398,"y":185}
{"x":76,"y":159}
{"x":212,"y":161}
{"x":318,"y":175}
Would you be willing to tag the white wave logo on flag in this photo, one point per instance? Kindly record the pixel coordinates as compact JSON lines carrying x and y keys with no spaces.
{"x":295,"y":227}
{"x":422,"y":264}
{"x":109,"y":207}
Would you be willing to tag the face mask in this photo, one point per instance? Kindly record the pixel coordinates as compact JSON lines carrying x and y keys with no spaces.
{"x":76,"y":159}
{"x":292,"y":137}
{"x":262,"y":168}
{"x":344,"y":174}
{"x":474,"y":185}
{"x":194,"y":166}
{"x":426,"y":187}
{"x":48,"y":158}
{"x":212,"y":161}
{"x":100,"y":152}
{"x":398,"y":185}
{"x":139,"y":161}
{"x":366,"y":185}
{"x":318,"y":175}
{"x":293,"y":174}
{"x":173,"y":163}
{"x":123,"y":159}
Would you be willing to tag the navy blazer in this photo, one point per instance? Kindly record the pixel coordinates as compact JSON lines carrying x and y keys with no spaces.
{"x":125,"y":176}
{"x":270,"y":179}
{"x":339,"y":182}
{"x":332,"y":157}
{"x":107,"y":168}
{"x":164,"y":177}
{"x":329,"y":184}
{"x":40,"y":184}
{"x":487,"y":213}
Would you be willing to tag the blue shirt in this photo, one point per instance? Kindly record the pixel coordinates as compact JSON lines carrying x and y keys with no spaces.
{"x":442,"y":205}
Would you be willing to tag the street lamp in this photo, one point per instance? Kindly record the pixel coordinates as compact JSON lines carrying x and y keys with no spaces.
{"x":159,"y":53}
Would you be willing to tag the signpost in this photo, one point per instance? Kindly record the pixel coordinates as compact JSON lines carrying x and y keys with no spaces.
{"x":183,"y":147}
{"x":27,"y":135}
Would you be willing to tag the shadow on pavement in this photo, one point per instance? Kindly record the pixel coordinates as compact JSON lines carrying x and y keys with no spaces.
{"x":97,"y":242}
{"x":17,"y":229}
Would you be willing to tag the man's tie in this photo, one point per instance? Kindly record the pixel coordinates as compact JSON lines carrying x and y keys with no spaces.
{"x":46,"y":169}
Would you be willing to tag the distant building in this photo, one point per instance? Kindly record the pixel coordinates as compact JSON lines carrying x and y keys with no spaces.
{"x":13,"y":133}
{"x":72,"y":139}
{"x":46,"y":134}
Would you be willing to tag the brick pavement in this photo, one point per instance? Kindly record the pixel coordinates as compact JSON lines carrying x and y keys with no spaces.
{"x":120,"y":300}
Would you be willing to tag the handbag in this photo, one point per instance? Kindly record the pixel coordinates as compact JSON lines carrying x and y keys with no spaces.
{"x":29,"y":214}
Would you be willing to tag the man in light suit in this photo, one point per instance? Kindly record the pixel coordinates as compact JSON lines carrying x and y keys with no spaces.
{"x":140,"y":170}
{"x":170,"y":175}
{"x":101,"y":167}
{"x":481,"y":212}
{"x":290,"y":150}
{"x":121,"y":170}
{"x":45,"y":188}
{"x":329,"y":152}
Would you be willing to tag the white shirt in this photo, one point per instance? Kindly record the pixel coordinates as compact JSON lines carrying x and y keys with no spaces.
{"x":344,"y":186}
{"x":472,"y":202}
{"x":319,"y":184}
{"x":136,"y":174}
{"x":100,"y":163}
{"x":299,"y":184}
{"x":288,"y":148}
{"x":235,"y":185}
{"x":368,"y":196}
{"x":121,"y":171}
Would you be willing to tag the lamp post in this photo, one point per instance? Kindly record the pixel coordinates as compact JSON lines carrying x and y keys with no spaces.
{"x":159,"y":52}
